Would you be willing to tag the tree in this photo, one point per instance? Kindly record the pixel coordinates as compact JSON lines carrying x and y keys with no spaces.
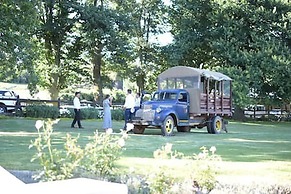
{"x":192,"y":24}
{"x":254,"y":37}
{"x":148,"y":19}
{"x":249,"y":37}
{"x":103,"y":38}
{"x":58,"y":20}
{"x":18,"y":20}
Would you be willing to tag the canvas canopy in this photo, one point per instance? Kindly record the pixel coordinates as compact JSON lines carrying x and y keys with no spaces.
{"x":183,"y":71}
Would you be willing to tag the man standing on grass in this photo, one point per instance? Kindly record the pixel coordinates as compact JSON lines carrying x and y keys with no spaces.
{"x":77,"y":110}
{"x":128,"y":107}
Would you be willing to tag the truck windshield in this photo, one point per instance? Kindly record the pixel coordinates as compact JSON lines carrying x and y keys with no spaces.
{"x":164,"y":96}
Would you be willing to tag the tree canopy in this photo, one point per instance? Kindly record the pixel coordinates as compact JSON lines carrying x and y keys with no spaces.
{"x":56,"y":44}
{"x":18,"y":21}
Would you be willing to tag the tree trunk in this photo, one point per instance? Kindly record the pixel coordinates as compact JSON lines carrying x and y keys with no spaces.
{"x":140,"y":81}
{"x":54,"y":92}
{"x":97,"y":63}
{"x":239,"y":114}
{"x":55,"y":84}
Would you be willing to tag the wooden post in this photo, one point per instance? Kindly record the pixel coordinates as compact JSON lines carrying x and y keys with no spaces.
{"x":18,"y":104}
{"x":59,"y":103}
{"x":207,"y":96}
{"x":221,"y":94}
{"x":214,"y":95}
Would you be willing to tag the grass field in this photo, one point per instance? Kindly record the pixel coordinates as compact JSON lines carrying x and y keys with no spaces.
{"x":250,"y":151}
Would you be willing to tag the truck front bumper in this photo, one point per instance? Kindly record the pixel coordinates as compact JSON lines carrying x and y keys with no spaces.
{"x":146,"y":117}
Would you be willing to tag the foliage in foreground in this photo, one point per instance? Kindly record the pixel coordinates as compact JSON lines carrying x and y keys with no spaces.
{"x":97,"y":158}
{"x":200,"y":179}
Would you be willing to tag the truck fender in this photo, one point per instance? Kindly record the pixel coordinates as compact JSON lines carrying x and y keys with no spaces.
{"x":166,"y":113}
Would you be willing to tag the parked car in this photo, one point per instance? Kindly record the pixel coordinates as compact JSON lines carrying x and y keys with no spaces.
{"x":255,"y":111}
{"x":8,"y":101}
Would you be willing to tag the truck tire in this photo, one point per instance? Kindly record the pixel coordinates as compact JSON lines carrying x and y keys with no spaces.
{"x":183,"y":128}
{"x":216,"y":125}
{"x":3,"y":109}
{"x":138,"y":129}
{"x":168,"y":126}
{"x":209,"y":126}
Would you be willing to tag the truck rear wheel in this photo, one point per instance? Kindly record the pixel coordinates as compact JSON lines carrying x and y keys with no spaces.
{"x":183,"y":128}
{"x":209,"y":126}
{"x":138,"y":129}
{"x":216,"y":125}
{"x":168,"y":126}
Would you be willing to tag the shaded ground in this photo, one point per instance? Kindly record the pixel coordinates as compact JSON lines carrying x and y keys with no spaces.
{"x":24,"y":175}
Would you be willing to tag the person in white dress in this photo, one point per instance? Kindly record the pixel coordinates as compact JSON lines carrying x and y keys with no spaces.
{"x":107,"y":121}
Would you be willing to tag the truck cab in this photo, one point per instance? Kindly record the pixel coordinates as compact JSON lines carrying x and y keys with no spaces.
{"x":186,"y":98}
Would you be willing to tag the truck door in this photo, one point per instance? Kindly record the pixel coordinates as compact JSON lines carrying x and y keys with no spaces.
{"x":182,"y":107}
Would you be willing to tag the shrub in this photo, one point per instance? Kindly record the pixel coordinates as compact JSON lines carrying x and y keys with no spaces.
{"x":90,"y":113}
{"x":101,"y":154}
{"x":97,"y":158}
{"x":86,"y":113}
{"x":56,"y":165}
{"x":166,"y":152}
{"x":204,"y":169}
{"x":67,"y":113}
{"x":201,"y":178}
{"x":42,"y":111}
{"x":117,"y":114}
{"x":253,"y":188}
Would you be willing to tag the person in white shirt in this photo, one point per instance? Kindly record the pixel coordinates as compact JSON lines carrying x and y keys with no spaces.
{"x":77,"y":110}
{"x":128,"y":107}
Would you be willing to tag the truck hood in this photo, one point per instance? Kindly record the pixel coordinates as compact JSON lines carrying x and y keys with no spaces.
{"x":156,"y":104}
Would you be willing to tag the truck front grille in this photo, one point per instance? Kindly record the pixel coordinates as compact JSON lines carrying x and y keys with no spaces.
{"x":145,"y":114}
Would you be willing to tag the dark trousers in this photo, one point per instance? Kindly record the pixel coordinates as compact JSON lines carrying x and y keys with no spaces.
{"x":127,"y":117}
{"x":77,"y":118}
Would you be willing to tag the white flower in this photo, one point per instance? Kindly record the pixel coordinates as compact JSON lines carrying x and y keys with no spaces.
{"x":56,"y":121}
{"x":201,"y":156}
{"x":109,"y":130}
{"x":212,"y":149}
{"x":175,"y":188}
{"x":131,"y":170}
{"x":39,"y":124}
{"x":168,"y":147}
{"x":129,"y":126}
{"x":121,"y":142}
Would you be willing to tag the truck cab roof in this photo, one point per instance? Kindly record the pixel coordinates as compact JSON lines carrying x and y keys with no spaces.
{"x":167,"y":95}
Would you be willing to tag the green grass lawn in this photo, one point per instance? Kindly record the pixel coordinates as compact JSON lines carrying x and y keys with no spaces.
{"x":261,"y":148}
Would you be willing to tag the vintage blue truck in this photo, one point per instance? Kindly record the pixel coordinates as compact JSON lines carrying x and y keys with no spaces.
{"x":187,"y":98}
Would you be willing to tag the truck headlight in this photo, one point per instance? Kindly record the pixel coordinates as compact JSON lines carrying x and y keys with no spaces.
{"x":158,"y":110}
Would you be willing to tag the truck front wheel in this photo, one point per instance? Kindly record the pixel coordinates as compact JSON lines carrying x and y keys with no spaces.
{"x":168,"y":126}
{"x":138,"y":129}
